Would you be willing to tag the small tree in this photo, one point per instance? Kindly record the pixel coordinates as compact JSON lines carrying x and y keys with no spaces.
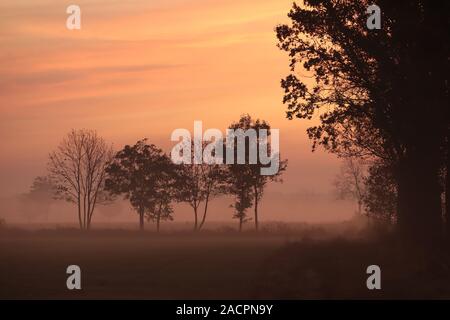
{"x":257,"y":181}
{"x":161,"y":208}
{"x":197,"y":184}
{"x":37,"y":201}
{"x":349,"y":183}
{"x":145,"y":176}
{"x":77,"y":169}
{"x":240,"y":186}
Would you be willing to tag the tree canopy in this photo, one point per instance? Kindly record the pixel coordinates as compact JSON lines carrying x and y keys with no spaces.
{"x":381,"y":94}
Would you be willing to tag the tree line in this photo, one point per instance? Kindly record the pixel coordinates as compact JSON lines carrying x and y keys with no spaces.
{"x":85,"y":170}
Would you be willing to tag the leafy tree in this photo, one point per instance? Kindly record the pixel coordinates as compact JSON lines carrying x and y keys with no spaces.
{"x":37,"y":201}
{"x":239,"y":180}
{"x":145,"y":176}
{"x":77,"y":170}
{"x":161,"y":208}
{"x":256,"y":180}
{"x":42,"y":188}
{"x":197,"y":184}
{"x":378,"y":93}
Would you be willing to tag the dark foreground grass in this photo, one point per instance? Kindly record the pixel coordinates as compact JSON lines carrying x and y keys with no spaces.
{"x":129,"y":265}
{"x":336,"y":269}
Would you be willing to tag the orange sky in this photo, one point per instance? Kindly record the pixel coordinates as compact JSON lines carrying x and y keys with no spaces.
{"x":142,"y":68}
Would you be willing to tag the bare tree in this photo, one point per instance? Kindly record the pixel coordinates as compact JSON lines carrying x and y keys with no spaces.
{"x":77,"y":169}
{"x":349,"y":183}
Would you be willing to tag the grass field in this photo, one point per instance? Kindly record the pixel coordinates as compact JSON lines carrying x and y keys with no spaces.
{"x":214,"y":265}
{"x":128,"y":265}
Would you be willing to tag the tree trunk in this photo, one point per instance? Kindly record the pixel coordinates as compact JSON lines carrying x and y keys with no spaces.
{"x":84,"y":211}
{"x":419,"y":203}
{"x":447,"y":189}
{"x":204,"y":212}
{"x":90,"y":217}
{"x":256,"y":208}
{"x":158,"y":219}
{"x":195,"y":218}
{"x":240,"y":224}
{"x":79,"y":211}
{"x":141,"y":220}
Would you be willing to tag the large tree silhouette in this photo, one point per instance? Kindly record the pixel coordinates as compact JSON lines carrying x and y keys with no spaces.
{"x":378,"y":93}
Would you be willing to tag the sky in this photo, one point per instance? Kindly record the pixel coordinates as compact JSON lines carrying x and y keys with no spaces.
{"x":142,"y":68}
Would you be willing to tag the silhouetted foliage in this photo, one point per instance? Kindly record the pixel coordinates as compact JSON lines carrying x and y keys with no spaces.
{"x":379,"y":93}
{"x":145,"y":176}
{"x":252,"y":172}
{"x":198,"y":184}
{"x":380,"y":200}
{"x":239,"y":180}
{"x":37,"y":201}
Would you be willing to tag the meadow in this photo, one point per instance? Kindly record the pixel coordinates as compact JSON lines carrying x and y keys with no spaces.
{"x":305,"y":262}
